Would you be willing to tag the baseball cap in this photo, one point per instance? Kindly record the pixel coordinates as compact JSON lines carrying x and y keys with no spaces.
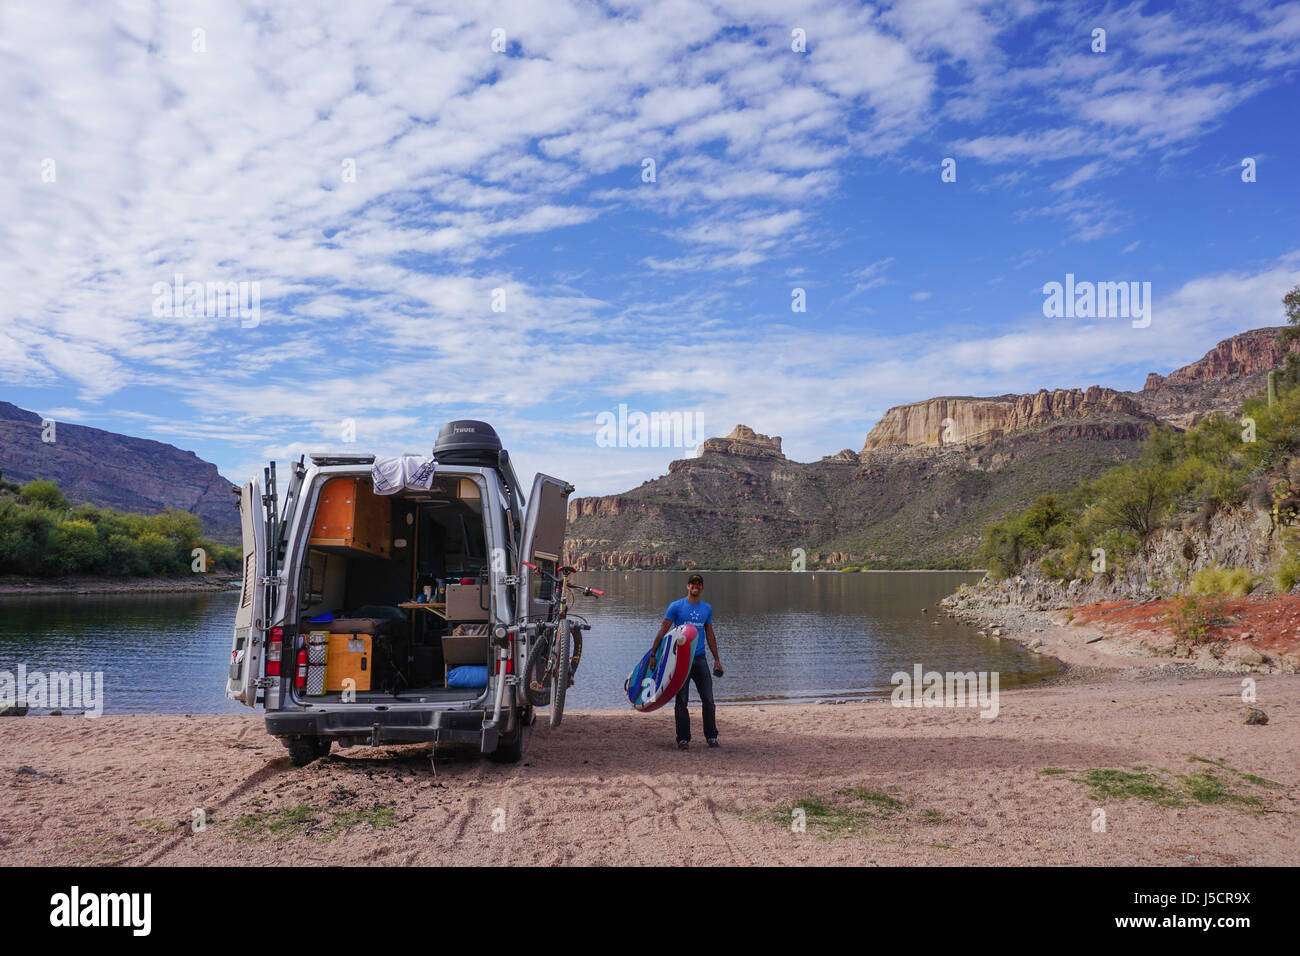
{"x":695,"y":579}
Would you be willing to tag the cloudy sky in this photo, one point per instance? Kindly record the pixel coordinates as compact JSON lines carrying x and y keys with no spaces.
{"x":532,"y":212}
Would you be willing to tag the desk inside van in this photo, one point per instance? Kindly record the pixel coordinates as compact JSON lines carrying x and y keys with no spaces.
{"x":438,"y":609}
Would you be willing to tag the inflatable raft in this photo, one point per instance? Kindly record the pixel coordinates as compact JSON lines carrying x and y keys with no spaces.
{"x":662,"y":672}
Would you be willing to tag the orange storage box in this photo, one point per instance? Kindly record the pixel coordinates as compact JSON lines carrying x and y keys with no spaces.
{"x":350,"y":515}
{"x":348,"y":657}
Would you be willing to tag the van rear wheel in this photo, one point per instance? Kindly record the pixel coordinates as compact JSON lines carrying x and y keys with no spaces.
{"x":303,"y":750}
{"x":511,"y":749}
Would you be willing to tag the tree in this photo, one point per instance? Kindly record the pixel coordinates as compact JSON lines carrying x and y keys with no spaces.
{"x":43,"y":494}
{"x":75,"y":548}
{"x":1291,"y":305}
{"x":1133,"y":496}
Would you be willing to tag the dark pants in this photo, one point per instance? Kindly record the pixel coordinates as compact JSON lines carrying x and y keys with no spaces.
{"x":703,"y":678}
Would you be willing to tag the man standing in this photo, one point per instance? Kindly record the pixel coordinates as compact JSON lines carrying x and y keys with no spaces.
{"x":691,"y":610}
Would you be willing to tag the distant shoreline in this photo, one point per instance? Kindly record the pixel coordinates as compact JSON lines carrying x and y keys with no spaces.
{"x":90,"y":584}
{"x":784,"y":571}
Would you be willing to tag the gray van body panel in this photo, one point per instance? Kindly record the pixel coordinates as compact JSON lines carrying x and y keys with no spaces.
{"x":397,"y":720}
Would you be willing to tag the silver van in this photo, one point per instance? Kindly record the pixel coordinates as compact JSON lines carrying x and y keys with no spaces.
{"x":378,"y":609}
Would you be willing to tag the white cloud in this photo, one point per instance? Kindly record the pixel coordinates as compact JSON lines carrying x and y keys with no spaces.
{"x":228,"y":165}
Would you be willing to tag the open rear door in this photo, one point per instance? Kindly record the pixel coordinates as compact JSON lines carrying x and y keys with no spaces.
{"x":545,"y":520}
{"x":250,"y":619}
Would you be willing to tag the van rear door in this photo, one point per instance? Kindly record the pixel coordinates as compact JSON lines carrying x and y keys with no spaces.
{"x":250,"y":619}
{"x":545,"y":520}
{"x":543,"y":543}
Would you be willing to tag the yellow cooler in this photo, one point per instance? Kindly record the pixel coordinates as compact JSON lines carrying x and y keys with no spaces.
{"x":349,"y":657}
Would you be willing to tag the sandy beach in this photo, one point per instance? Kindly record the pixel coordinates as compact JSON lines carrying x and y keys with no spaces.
{"x":1160,"y":749}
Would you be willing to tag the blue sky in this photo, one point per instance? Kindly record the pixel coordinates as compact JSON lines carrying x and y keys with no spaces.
{"x":215,"y":140}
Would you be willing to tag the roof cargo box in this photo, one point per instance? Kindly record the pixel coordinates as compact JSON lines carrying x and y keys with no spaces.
{"x":467,"y":442}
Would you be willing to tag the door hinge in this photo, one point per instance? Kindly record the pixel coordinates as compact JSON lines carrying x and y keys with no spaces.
{"x":510,"y":580}
{"x":275,"y":580}
{"x":266,"y":683}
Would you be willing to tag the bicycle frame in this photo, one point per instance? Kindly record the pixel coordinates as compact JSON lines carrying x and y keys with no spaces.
{"x":558,"y":613}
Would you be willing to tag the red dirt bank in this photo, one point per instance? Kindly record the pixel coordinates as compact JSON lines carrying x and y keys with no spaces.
{"x":1267,"y":625}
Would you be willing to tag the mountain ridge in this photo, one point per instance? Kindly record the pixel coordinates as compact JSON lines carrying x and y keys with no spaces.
{"x":109,"y":469}
{"x":930,"y":476}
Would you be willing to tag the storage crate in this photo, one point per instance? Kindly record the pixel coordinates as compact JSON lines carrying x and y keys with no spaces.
{"x":318,"y":647}
{"x":315,"y":680}
{"x":349,"y":657}
{"x":349,"y":515}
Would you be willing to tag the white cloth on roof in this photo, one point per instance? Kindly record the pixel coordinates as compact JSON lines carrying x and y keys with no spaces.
{"x":410,"y":472}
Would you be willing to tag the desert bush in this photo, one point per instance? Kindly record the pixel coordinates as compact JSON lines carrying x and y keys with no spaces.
{"x":1234,"y":582}
{"x":43,"y":494}
{"x":1192,"y":619}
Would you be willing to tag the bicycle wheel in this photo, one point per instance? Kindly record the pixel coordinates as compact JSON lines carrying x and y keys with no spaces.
{"x":537,"y":673}
{"x":576,"y":634}
{"x":560,"y":672}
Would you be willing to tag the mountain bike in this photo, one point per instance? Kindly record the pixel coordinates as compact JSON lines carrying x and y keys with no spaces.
{"x":553,"y":659}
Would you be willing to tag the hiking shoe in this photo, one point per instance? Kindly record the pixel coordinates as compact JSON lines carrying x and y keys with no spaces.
{"x":683,"y":744}
{"x":713,"y":741}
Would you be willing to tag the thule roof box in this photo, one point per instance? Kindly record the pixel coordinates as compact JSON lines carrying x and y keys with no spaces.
{"x":467,"y":442}
{"x":475,"y":443}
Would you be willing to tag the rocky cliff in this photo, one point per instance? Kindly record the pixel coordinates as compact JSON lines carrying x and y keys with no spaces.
{"x":727,"y":508}
{"x":744,"y":441}
{"x":964,"y":421}
{"x":1254,"y":351}
{"x":930,"y":477}
{"x":116,"y":471}
{"x":1216,"y":384}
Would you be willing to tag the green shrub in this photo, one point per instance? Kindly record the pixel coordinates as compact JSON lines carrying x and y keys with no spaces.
{"x":1287,"y":574}
{"x":1192,"y":619}
{"x":222,"y":557}
{"x":43,"y":494}
{"x":1234,"y":582}
{"x":122,"y":556}
{"x":40,"y":534}
{"x":75,"y":547}
{"x":160,"y":554}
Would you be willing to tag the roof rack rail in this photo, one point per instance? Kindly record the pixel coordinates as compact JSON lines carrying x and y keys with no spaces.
{"x":334,"y":458}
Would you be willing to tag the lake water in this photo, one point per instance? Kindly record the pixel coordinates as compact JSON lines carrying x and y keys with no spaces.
{"x":783,"y":637}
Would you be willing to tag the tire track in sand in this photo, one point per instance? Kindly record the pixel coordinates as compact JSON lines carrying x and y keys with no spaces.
{"x":273,"y":768}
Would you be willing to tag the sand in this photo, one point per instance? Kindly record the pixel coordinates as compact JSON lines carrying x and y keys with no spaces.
{"x":903,"y":785}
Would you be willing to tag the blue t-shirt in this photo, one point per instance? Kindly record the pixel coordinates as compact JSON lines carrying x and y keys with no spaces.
{"x":682,"y":611}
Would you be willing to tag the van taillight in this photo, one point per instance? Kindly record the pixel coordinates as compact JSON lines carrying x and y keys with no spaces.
{"x":273,"y":650}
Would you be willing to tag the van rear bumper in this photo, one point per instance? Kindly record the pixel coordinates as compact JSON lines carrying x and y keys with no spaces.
{"x":390,"y":726}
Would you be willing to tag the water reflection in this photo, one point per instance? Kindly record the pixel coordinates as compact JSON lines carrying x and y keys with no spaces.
{"x":783,"y":637}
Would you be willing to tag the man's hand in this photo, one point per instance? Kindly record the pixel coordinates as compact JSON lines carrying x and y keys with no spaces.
{"x":717,"y":667}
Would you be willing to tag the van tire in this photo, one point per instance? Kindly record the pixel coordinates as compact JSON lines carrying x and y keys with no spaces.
{"x":303,"y":750}
{"x":511,"y":749}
